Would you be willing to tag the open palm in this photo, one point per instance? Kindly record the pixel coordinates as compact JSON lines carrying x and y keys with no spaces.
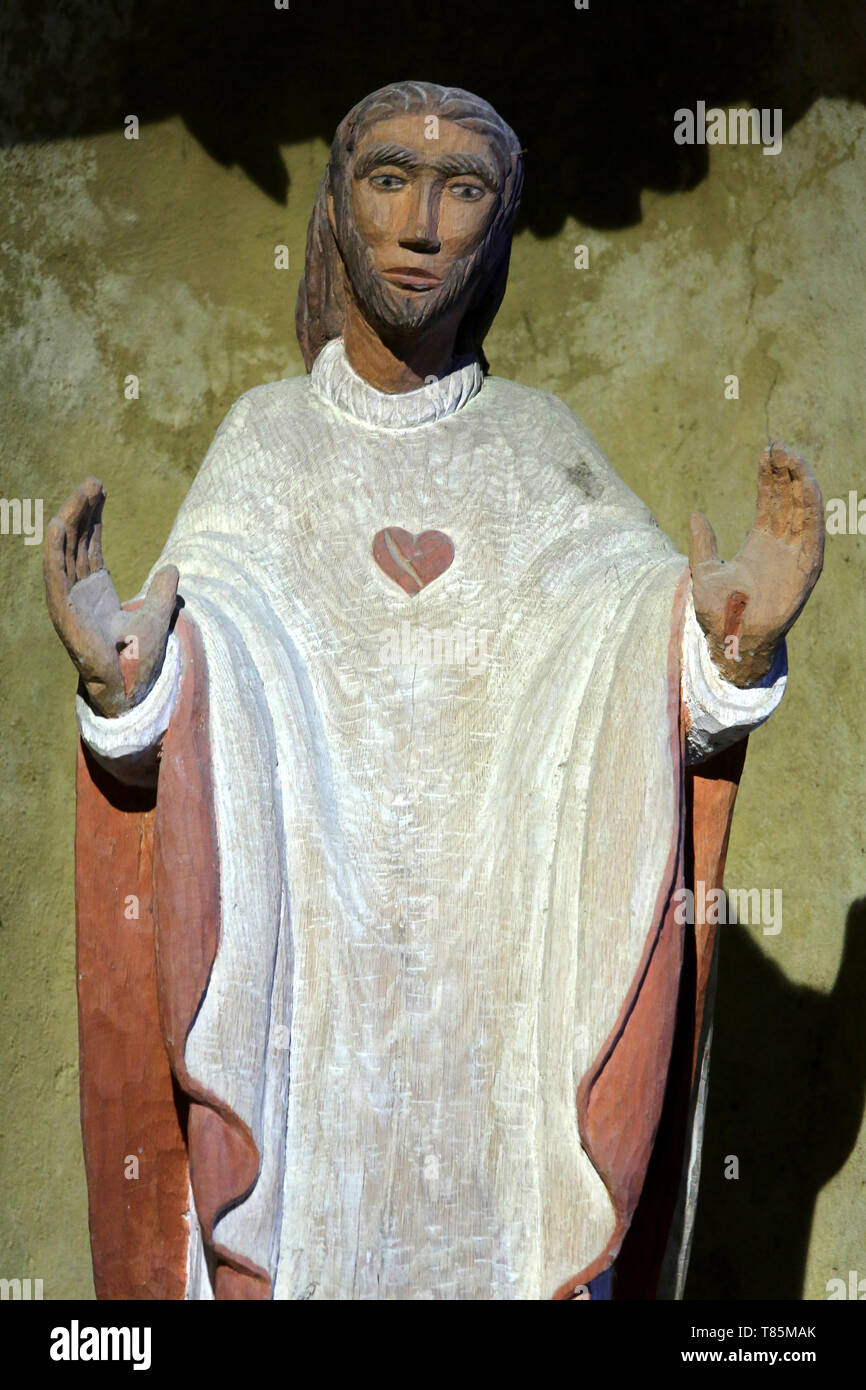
{"x":118,"y":653}
{"x":746,"y":605}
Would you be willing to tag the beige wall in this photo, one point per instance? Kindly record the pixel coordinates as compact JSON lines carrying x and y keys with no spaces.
{"x":151,"y":258}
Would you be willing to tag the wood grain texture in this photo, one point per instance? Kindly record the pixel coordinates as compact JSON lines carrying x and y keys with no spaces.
{"x":138,"y":1229}
{"x":441,"y":949}
{"x":653,"y":1260}
{"x":140,"y":984}
{"x":224,"y":1160}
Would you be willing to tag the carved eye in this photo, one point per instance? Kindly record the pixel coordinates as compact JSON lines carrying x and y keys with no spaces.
{"x":389,"y":183}
{"x":466,"y":192}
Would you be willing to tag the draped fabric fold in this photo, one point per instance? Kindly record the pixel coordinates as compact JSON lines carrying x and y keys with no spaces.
{"x":406,"y":946}
{"x":142,"y":981}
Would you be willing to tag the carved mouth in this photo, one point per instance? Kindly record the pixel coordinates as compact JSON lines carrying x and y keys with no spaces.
{"x":407,"y":277}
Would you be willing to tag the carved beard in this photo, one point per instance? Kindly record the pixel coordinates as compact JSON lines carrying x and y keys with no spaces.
{"x":385,"y":308}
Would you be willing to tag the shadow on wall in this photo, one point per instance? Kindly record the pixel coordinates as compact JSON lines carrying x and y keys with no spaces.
{"x":590,"y":92}
{"x":787,"y":1091}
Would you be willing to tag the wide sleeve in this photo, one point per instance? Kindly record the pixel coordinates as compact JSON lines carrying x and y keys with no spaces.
{"x":718,"y":713}
{"x":128,"y":746}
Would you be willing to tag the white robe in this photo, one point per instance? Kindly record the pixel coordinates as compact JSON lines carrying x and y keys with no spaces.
{"x":437,"y":877}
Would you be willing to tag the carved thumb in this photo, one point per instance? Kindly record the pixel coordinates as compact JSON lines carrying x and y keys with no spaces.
{"x":158,"y":605}
{"x":702,"y":541}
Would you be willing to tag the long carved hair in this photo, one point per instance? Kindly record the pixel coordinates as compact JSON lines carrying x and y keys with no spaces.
{"x":320,"y":310}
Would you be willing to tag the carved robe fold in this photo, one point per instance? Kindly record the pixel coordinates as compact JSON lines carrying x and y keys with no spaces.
{"x":412,"y":1013}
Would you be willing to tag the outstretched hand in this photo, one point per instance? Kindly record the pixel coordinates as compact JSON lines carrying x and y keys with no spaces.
{"x":746,"y":605}
{"x":118,"y":653}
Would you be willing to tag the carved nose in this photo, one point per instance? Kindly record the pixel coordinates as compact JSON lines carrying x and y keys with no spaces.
{"x":422,"y":240}
{"x":421,"y":232}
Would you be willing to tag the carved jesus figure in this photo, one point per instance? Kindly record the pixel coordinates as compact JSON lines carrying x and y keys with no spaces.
{"x":387,"y":783}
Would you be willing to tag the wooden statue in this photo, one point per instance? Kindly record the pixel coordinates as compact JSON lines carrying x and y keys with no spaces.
{"x":387,"y":783}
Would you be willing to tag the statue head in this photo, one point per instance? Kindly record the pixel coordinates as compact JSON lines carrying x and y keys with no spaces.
{"x":413,"y":218}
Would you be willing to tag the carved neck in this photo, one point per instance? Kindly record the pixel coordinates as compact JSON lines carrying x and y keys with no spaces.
{"x":398,"y":366}
{"x":334,"y":378}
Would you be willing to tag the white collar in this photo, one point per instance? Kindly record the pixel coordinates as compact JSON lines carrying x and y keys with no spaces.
{"x":334,"y":378}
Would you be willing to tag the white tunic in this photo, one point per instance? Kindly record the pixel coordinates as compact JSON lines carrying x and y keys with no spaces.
{"x":440,"y":856}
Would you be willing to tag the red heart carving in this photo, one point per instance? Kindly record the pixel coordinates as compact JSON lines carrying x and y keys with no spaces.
{"x":413,"y":562}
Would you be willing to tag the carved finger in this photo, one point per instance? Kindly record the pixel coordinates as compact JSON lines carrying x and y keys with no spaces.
{"x":149,"y":622}
{"x":82,"y":567}
{"x":160,"y":599}
{"x":812,"y":501}
{"x":765,"y":492}
{"x":71,"y":550}
{"x":79,"y":503}
{"x":797,"y":509}
{"x":90,"y":517}
{"x":57,"y":593}
{"x":75,"y":636}
{"x":94,"y":549}
{"x":807,"y":526}
{"x":75,"y":514}
{"x":54,"y":567}
{"x":702,"y":541}
{"x":84,"y":523}
{"x":76,"y":502}
{"x":780,"y":515}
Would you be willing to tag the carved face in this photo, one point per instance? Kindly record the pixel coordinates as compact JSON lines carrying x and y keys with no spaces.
{"x":423,"y":193}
